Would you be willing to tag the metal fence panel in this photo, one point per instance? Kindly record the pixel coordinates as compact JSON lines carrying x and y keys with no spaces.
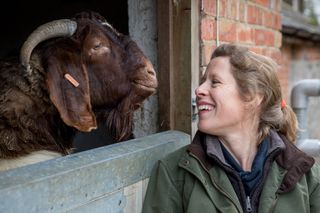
{"x":89,"y":181}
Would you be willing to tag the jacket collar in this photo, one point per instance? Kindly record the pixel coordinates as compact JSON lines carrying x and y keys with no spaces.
{"x":296,"y":162}
{"x":198,"y":148}
{"x":206,"y":147}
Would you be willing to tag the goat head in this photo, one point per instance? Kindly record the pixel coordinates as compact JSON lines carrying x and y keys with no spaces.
{"x":110,"y":75}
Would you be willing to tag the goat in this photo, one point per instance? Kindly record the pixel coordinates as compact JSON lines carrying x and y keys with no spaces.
{"x":73,"y":75}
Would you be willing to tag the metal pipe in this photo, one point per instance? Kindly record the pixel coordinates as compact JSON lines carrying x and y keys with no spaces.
{"x":302,"y":117}
{"x":302,"y":90}
{"x":217,"y":22}
{"x":299,"y":102}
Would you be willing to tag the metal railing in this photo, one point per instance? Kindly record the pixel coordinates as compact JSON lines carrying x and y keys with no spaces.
{"x":107,"y":179}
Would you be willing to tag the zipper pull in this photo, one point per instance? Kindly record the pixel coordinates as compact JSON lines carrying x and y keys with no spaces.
{"x":248,"y":202}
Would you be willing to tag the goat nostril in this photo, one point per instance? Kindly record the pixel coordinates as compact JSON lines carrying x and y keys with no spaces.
{"x":151,"y":72}
{"x":149,"y":68}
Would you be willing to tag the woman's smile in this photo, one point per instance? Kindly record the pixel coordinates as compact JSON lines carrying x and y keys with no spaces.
{"x":204,"y":108}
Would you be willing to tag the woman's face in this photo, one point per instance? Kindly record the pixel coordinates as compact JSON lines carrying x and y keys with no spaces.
{"x":220,"y":109}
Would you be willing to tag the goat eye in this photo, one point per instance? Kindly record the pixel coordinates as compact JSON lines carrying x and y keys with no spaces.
{"x":97,"y":46}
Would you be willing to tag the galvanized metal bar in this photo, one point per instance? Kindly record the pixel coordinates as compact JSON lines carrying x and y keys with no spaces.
{"x":92,"y":179}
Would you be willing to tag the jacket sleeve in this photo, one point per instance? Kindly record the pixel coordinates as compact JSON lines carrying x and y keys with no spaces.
{"x":162,"y":196}
{"x":315,"y":189}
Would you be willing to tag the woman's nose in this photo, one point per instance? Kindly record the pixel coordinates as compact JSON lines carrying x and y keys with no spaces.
{"x":201,"y":90}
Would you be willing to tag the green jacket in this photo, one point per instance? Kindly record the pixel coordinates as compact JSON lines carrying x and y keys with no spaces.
{"x":189,"y":181}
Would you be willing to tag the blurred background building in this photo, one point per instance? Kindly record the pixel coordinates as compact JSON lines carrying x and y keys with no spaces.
{"x":288,"y":31}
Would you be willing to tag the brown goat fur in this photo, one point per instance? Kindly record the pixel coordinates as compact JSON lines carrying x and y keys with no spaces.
{"x":42,"y":110}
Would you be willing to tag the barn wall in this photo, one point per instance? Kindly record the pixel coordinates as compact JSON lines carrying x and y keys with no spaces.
{"x":143,"y":29}
{"x":19,"y":18}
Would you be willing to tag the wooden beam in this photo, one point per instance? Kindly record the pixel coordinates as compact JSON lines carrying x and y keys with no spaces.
{"x":165,"y":64}
{"x":176,"y":62}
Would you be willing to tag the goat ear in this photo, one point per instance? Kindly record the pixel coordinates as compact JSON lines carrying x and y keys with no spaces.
{"x":71,"y":100}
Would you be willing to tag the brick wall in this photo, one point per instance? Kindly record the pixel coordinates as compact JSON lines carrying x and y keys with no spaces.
{"x":252,"y":23}
{"x":300,"y":51}
{"x":301,"y":60}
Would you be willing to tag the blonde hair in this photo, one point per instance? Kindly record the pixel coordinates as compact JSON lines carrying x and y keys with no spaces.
{"x":256,"y":74}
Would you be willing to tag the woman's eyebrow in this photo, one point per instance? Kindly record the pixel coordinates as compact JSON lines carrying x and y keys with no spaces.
{"x":213,"y":76}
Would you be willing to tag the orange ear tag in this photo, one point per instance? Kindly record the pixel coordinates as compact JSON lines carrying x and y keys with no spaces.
{"x":71,"y":80}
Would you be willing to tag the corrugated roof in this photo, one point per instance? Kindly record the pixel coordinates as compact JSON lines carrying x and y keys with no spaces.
{"x":294,"y":24}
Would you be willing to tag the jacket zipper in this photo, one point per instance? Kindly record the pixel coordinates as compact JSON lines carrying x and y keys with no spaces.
{"x":214,"y":183}
{"x":248,"y":203}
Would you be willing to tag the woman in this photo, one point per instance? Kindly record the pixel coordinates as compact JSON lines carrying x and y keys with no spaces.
{"x":242,"y":158}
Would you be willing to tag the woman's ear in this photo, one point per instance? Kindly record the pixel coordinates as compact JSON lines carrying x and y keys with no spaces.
{"x":258,"y":99}
{"x":253,"y":103}
{"x":68,"y":87}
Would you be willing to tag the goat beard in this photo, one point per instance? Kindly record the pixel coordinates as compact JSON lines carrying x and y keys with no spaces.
{"x":120,"y":120}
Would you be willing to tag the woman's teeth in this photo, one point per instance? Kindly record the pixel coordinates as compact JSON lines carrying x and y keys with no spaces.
{"x":205,"y":107}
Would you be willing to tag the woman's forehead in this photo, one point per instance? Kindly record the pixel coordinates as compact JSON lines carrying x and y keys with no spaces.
{"x":218,"y":66}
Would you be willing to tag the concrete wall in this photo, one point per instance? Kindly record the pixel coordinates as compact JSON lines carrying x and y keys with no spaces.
{"x":143,"y":29}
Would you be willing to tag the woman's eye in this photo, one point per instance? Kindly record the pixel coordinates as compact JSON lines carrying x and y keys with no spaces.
{"x":214,"y":83}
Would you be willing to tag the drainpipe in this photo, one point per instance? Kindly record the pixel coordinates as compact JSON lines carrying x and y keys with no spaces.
{"x":217,"y":22}
{"x":299,"y":102}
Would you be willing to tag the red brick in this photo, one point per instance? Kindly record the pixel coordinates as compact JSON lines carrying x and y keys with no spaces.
{"x":307,"y":53}
{"x":245,"y":33}
{"x":227,"y":31}
{"x":242,"y":11}
{"x":273,"y":53}
{"x":206,"y":52}
{"x":283,"y":72}
{"x":277,"y":21}
{"x":232,"y":9}
{"x":264,"y":37}
{"x":256,"y":49}
{"x":208,"y":29}
{"x":267,"y":19}
{"x":223,"y":8}
{"x":286,"y":55}
{"x":259,"y":14}
{"x":252,"y":16}
{"x":283,"y":76}
{"x":314,"y":54}
{"x":209,"y":7}
{"x":270,"y":38}
{"x":264,"y":3}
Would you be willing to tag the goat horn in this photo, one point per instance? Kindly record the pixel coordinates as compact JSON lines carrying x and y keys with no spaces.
{"x":57,"y":28}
